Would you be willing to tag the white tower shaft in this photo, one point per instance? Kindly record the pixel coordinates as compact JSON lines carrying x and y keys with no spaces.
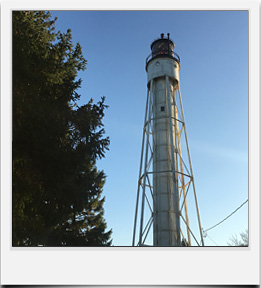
{"x":165,"y":184}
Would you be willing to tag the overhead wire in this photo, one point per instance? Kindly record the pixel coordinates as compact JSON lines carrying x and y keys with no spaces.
{"x":212,"y":240}
{"x":226,"y":217}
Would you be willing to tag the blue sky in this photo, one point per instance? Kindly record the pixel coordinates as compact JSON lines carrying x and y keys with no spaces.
{"x":213,"y":47}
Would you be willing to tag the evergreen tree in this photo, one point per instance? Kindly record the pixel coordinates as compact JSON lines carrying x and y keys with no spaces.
{"x":57,"y":189}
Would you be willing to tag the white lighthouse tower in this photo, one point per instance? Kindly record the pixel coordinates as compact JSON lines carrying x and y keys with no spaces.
{"x":165,"y":181}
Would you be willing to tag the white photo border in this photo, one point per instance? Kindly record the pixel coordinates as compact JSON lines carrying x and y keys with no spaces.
{"x":130,"y":265}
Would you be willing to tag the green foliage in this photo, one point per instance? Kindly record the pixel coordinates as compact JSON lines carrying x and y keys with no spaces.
{"x":57,"y":189}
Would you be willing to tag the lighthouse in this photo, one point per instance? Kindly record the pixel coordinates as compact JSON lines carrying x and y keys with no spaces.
{"x":165,"y":179}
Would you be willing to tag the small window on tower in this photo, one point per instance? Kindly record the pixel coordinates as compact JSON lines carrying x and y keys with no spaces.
{"x":162,"y":108}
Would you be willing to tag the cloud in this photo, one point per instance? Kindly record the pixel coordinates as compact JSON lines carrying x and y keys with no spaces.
{"x":229,"y":153}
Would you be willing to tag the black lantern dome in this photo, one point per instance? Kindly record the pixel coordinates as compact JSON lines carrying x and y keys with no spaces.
{"x":162,"y":47}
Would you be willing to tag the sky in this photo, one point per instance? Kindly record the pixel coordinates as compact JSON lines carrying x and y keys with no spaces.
{"x":213,"y":47}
